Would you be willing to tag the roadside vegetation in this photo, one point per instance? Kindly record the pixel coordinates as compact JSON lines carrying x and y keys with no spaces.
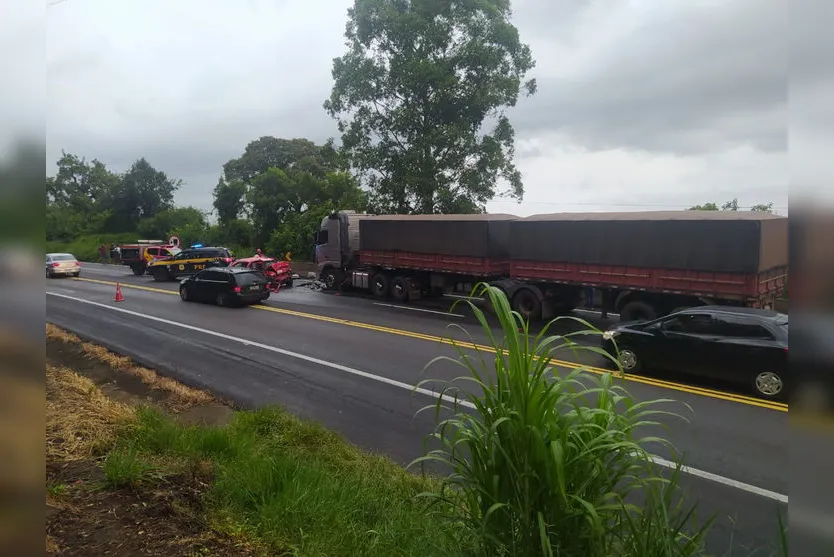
{"x":551,"y":464}
{"x":531,"y":463}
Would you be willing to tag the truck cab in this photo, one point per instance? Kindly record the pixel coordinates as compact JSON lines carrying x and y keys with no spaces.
{"x":337,"y":246}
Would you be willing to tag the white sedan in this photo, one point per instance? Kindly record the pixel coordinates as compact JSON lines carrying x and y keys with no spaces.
{"x":62,"y":264}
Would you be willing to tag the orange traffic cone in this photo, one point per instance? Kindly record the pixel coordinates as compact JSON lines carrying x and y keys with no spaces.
{"x":119,"y":297}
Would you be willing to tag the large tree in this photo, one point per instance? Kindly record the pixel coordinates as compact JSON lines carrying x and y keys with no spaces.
{"x":79,"y":197}
{"x":143,"y":192}
{"x":229,"y":200}
{"x":240,"y":174}
{"x":413,"y":94}
{"x":278,"y":196}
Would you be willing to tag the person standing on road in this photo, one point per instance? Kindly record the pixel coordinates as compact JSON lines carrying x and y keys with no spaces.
{"x":102,"y":253}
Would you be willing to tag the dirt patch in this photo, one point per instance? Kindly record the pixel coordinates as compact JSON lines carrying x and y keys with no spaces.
{"x":166,"y":521}
{"x":92,"y":395}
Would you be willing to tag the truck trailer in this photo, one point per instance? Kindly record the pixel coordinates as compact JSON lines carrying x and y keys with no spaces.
{"x":640,"y":264}
{"x":406,"y":257}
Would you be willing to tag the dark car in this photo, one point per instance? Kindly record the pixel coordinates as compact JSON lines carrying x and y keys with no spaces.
{"x":189,"y":261}
{"x":741,"y":345}
{"x":225,"y":286}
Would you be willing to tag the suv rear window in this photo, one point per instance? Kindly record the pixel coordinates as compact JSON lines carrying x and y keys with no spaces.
{"x":245,"y":279}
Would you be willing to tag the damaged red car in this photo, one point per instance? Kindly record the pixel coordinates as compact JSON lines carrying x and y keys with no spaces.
{"x":277,"y":272}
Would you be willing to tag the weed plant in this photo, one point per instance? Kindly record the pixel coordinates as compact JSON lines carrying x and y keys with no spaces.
{"x":541,"y":462}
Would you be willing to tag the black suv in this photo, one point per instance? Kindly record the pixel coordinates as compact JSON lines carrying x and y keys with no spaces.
{"x":189,"y":261}
{"x":740,"y":345}
{"x":225,"y":286}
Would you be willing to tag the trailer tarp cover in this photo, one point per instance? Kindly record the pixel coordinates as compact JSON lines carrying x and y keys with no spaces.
{"x":712,"y":241}
{"x":481,"y":235}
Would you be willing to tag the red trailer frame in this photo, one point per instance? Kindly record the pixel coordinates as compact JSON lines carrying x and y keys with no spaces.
{"x":430,"y":262}
{"x":665,"y":281}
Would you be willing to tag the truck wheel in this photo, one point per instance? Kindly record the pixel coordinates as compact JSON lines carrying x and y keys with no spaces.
{"x":331,"y":279}
{"x":380,"y":285}
{"x":527,"y":304}
{"x":138,"y":270}
{"x":399,"y":289}
{"x":637,"y":311}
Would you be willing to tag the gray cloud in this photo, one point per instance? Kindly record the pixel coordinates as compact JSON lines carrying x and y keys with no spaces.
{"x":188,"y":84}
{"x":695,"y":79}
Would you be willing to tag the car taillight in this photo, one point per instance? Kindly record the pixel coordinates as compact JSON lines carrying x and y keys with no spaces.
{"x":55,"y":264}
{"x":236,"y":289}
{"x":77,"y":263}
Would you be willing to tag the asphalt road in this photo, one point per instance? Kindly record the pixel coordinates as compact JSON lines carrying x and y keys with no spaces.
{"x":349,"y":363}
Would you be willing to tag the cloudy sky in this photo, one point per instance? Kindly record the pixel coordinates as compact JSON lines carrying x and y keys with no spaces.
{"x":642,"y":104}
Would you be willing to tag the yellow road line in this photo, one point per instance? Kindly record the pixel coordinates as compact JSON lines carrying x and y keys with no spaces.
{"x":480,"y":347}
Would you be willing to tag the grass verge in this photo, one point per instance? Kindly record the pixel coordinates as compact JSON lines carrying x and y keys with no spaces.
{"x":130,"y":478}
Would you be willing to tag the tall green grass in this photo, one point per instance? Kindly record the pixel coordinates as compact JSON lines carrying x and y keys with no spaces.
{"x":85,"y":248}
{"x":543,"y":464}
{"x":295,"y":487}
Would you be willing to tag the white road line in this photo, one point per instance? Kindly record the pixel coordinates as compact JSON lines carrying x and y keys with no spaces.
{"x":419,"y":309}
{"x":755,"y":490}
{"x":729,"y":482}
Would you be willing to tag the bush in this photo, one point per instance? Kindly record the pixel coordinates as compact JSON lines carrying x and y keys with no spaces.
{"x":543,"y":464}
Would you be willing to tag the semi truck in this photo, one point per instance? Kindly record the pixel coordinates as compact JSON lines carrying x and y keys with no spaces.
{"x":640,"y":265}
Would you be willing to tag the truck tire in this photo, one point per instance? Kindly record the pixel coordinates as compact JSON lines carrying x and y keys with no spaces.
{"x":138,"y":270}
{"x":637,"y":311}
{"x":331,"y":278}
{"x":399,"y":289}
{"x":527,"y":304}
{"x":380,"y":285}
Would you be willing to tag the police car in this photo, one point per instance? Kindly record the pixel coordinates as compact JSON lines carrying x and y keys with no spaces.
{"x":189,"y":261}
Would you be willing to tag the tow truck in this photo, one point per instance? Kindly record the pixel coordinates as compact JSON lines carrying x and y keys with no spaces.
{"x":140,"y":255}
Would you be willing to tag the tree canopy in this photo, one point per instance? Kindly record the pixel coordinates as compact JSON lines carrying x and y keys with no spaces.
{"x":258,"y":203}
{"x":413,"y":93}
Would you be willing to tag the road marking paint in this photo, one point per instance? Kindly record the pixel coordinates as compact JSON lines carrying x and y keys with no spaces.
{"x":101,"y":270}
{"x":730,"y":397}
{"x":755,"y":490}
{"x":412,"y":308}
{"x":729,"y":482}
{"x":127,"y":285}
